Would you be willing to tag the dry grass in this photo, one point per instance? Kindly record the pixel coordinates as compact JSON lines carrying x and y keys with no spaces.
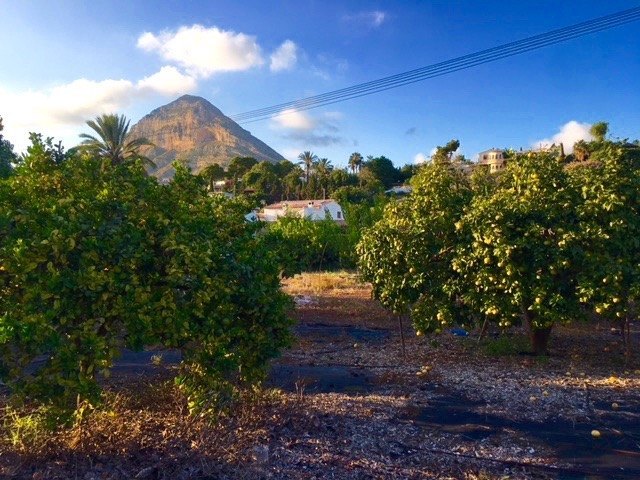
{"x":144,"y":429}
{"x":337,"y":298}
{"x":323,"y":282}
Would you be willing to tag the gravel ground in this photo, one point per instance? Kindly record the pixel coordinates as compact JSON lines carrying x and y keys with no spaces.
{"x":349,"y":404}
{"x":449,"y":408}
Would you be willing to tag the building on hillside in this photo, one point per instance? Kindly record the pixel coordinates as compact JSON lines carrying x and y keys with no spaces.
{"x":311,"y":209}
{"x":493,"y":158}
{"x":220,"y":186}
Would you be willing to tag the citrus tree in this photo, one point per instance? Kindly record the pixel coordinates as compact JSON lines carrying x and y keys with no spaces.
{"x":609,"y":213}
{"x":407,"y":254}
{"x":522,"y":254}
{"x":96,"y":258}
{"x":536,"y":244}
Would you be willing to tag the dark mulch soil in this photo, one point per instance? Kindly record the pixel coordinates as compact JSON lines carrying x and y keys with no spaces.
{"x":351,"y":405}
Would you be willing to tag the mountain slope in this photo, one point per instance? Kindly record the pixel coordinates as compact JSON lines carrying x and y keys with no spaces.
{"x":192,"y":129}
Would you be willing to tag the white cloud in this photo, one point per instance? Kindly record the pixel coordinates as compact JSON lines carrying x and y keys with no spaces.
{"x":313,"y":139}
{"x":168,"y":81}
{"x":73,"y":101}
{"x":293,"y":119}
{"x":569,"y":133}
{"x":53,"y":111}
{"x":327,"y":66}
{"x":62,"y":110}
{"x":307,"y":131}
{"x":420,"y":158}
{"x":377,"y":18}
{"x":284,"y":57}
{"x":149,"y":42}
{"x":372,"y":19}
{"x":291,"y":153}
{"x":204,"y":51}
{"x":333,"y":116}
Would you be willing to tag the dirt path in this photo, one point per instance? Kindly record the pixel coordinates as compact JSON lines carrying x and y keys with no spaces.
{"x":367,"y":412}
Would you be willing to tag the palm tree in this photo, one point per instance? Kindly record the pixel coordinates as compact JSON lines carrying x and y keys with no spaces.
{"x":324,"y":166}
{"x":292,"y":184}
{"x":308,"y":159}
{"x":355,"y":161}
{"x":113,"y":142}
{"x":323,"y":170}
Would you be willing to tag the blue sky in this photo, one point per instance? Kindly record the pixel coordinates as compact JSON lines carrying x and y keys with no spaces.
{"x":67,"y":61}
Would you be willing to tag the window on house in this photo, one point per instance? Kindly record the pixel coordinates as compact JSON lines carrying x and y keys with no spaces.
{"x":339,"y":214}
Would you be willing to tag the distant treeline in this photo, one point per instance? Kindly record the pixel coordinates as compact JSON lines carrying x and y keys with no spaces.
{"x":310,"y":178}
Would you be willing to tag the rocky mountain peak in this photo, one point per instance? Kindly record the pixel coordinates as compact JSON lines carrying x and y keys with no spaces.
{"x":194,"y":130}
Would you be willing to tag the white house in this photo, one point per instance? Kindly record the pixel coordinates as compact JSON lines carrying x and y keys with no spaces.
{"x":311,"y":209}
{"x":493,"y":158}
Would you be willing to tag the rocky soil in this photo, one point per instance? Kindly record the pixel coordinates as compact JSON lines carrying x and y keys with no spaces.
{"x":349,"y":402}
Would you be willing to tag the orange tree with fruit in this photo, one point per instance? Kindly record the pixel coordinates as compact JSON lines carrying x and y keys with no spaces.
{"x":98,"y":257}
{"x":540,"y":244}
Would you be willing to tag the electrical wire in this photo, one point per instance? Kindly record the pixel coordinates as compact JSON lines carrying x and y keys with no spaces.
{"x":452,"y":65}
{"x":460,"y":63}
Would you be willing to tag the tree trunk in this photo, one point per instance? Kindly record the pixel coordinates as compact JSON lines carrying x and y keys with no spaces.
{"x":483,"y":331}
{"x":626,"y":338}
{"x":539,"y":337}
{"x":401,"y":326}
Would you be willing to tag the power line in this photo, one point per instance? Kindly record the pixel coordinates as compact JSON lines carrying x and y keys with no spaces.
{"x":467,"y":61}
{"x":460,"y":63}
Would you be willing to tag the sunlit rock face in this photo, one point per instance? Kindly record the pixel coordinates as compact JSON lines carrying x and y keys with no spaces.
{"x":192,"y":130}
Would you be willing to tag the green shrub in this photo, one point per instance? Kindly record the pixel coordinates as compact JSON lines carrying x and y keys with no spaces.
{"x":93,"y":260}
{"x":301,"y":244}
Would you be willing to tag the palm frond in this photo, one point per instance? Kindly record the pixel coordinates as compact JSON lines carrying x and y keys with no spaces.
{"x":112,"y":142}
